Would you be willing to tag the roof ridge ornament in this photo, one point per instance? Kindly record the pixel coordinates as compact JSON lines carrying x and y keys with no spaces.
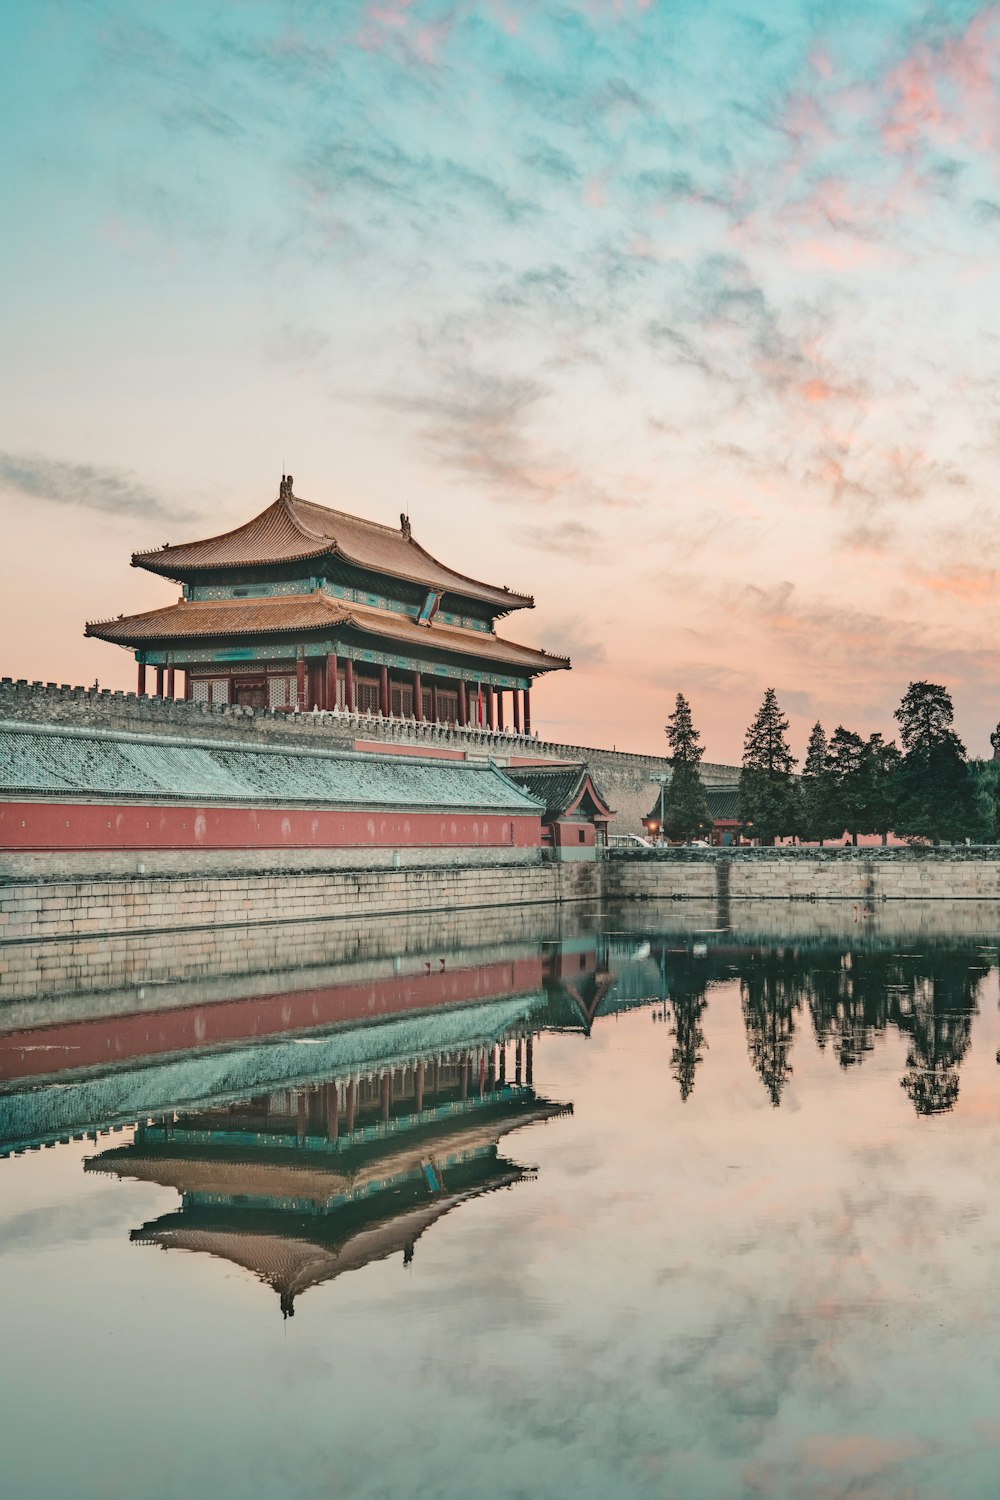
{"x":404,"y":526}
{"x":285,"y":490}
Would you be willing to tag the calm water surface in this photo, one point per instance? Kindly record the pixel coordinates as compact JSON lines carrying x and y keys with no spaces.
{"x":642,"y":1204}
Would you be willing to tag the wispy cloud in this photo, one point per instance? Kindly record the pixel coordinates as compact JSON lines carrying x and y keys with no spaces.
{"x":113,"y":491}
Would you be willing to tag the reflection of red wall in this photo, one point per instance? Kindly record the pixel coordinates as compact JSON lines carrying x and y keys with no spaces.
{"x":123,"y":1039}
{"x":96,"y":825}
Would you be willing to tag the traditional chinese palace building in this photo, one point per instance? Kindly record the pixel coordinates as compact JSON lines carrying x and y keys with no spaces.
{"x":305,"y":607}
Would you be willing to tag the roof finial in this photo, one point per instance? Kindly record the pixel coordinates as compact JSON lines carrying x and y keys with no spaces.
{"x":285,"y":493}
{"x":404,"y":526}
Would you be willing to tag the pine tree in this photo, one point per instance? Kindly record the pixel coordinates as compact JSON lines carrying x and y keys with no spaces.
{"x":685,"y":806}
{"x":846,"y":761}
{"x":933,"y":793}
{"x":769,"y":802}
{"x":816,"y":790}
{"x":881,"y":763}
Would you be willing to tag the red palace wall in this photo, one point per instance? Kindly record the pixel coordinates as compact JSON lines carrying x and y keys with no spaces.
{"x":100,"y":825}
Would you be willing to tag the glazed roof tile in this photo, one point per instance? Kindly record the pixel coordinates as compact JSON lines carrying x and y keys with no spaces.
{"x":59,"y":762}
{"x":559,"y":787}
{"x":283,"y":613}
{"x":723,"y":804}
{"x":294,"y":530}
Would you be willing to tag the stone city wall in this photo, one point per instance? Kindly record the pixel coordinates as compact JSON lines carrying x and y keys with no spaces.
{"x":624,"y":778}
{"x":77,"y":908}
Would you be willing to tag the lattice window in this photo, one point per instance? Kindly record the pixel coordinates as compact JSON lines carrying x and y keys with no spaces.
{"x":210,"y":689}
{"x":447,"y":706}
{"x":366,"y":695}
{"x":281,"y":692}
{"x":426,"y":703}
{"x":401,"y":700}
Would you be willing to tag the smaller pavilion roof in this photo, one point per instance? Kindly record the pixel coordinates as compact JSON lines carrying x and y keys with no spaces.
{"x":723,"y":804}
{"x":294,"y":530}
{"x":283,"y":614}
{"x":564,"y":789}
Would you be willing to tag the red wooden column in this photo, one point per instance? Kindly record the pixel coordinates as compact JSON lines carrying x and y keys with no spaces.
{"x":170,"y":683}
{"x":420,"y":1087}
{"x":503,"y":1062}
{"x":141,"y":684}
{"x":418,"y":698}
{"x":500,"y":709}
{"x":529,"y":1061}
{"x":463,"y":704}
{"x":517,"y":710}
{"x":330,"y":693}
{"x":159,"y":682}
{"x":527,"y":711}
{"x":490,"y":712}
{"x":383,"y":692}
{"x":351,"y":1101}
{"x":300,"y":684}
{"x":518,"y":1061}
{"x":332,"y":1112}
{"x":386,"y":1092}
{"x":349,"y":686}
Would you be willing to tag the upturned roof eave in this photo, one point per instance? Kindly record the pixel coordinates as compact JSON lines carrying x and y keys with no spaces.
{"x":112,"y":632}
{"x":159,"y":561}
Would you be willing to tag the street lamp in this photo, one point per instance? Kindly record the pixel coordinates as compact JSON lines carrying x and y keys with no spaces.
{"x":663,"y":781}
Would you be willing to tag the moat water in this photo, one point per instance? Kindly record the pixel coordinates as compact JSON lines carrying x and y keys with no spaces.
{"x":665,"y":1202}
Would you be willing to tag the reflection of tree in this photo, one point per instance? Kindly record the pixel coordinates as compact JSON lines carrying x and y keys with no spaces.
{"x":848,"y":1001}
{"x":930,"y":997}
{"x":772,"y":985}
{"x":936,"y":1009}
{"x":686,"y":989}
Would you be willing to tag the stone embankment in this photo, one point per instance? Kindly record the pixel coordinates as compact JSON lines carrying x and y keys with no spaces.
{"x":45,"y":910}
{"x":625,"y":779}
{"x":837,"y":874}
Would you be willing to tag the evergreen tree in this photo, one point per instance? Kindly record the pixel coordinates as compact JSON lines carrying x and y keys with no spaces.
{"x":986,"y":785}
{"x":881,"y":763}
{"x":769,"y":802}
{"x":816,"y":790}
{"x":846,"y":761}
{"x":685,"y":806}
{"x":934,"y":795}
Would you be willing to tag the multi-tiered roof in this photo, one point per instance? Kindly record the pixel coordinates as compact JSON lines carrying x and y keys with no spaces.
{"x":300,"y":572}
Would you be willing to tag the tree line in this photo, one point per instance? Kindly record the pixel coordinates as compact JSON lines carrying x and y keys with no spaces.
{"x":925,"y":788}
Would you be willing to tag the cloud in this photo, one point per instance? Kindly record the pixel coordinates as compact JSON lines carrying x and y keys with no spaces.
{"x":571,"y":636}
{"x":569,"y":538}
{"x":113,"y":491}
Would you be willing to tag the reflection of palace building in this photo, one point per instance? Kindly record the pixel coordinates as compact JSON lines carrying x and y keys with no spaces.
{"x":309,"y":1131}
{"x":304,"y":607}
{"x":303,"y":1185}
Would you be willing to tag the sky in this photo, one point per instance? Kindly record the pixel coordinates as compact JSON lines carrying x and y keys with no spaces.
{"x":683,"y":318}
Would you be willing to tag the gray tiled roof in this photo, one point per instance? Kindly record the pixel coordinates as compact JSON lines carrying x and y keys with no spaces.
{"x":723,"y":803}
{"x":49,"y":761}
